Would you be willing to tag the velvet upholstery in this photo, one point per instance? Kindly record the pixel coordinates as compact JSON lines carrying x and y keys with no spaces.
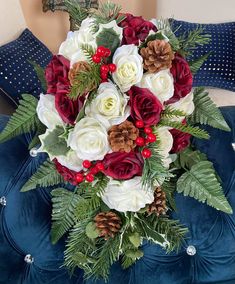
{"x":25,"y":227}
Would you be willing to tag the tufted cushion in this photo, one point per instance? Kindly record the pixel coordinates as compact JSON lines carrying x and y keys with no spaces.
{"x":219,"y":69}
{"x":25,"y":227}
{"x":17,"y":75}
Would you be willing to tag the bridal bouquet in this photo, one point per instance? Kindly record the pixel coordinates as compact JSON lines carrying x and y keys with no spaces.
{"x":116,"y":121}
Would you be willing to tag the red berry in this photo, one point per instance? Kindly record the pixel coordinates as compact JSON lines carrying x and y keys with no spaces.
{"x":90,"y":177}
{"x":148,"y":130}
{"x":104,"y":80}
{"x":140,"y":141}
{"x":104,"y":68}
{"x":112,"y":67}
{"x":101,"y":51}
{"x":103,"y":75}
{"x":94,"y":171}
{"x":96,"y":58}
{"x":100,"y":166}
{"x":107,"y":52}
{"x":146,"y":153}
{"x":86,"y":164}
{"x":151,"y":138}
{"x":139,"y":124}
{"x":79,"y":178}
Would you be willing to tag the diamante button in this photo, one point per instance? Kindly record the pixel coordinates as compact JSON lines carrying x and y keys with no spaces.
{"x":29,"y":259}
{"x":233,"y":145}
{"x":191,"y":250}
{"x":3,"y":201}
{"x":33,"y":152}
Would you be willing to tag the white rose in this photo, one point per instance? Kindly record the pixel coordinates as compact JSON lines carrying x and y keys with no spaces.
{"x":89,"y":139}
{"x":71,"y":47}
{"x":127,"y":195}
{"x":186,"y":105}
{"x":111,"y":25}
{"x":109,"y":106}
{"x":165,"y":145}
{"x":47,"y":112}
{"x":161,"y":84}
{"x":71,"y":161}
{"x":129,"y":67}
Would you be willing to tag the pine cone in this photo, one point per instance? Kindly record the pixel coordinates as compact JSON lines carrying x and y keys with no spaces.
{"x":78,"y":67}
{"x":122,"y":137}
{"x":108,"y":224}
{"x":159,"y":204}
{"x":157,"y":55}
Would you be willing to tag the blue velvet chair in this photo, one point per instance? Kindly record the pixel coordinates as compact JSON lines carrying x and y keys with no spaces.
{"x":27,"y":255}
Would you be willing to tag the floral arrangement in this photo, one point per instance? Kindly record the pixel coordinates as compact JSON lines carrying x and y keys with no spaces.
{"x":116,"y":122}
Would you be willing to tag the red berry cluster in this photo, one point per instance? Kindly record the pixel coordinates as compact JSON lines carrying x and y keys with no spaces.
{"x":89,"y":176}
{"x":103,"y":52}
{"x":143,"y":141}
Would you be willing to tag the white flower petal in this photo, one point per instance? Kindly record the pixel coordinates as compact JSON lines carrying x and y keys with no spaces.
{"x":126,"y":196}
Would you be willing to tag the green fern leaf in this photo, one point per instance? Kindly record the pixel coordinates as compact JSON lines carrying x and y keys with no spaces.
{"x":45,"y":176}
{"x":64,"y":203}
{"x":193,"y":130}
{"x":197,"y":64}
{"x":206,"y":111}
{"x":40,"y":73}
{"x":36,"y":141}
{"x":23,"y":120}
{"x":201,"y":183}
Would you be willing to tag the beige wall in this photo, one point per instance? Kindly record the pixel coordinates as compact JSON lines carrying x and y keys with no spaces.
{"x":51,"y":28}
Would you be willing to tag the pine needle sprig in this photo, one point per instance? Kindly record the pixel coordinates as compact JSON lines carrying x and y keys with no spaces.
{"x":189,"y":41}
{"x":88,"y":51}
{"x":154,"y":171}
{"x":76,"y":11}
{"x":107,"y":12}
{"x":85,"y":81}
{"x":193,"y":130}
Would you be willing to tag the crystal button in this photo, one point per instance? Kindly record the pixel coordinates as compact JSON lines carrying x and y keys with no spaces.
{"x":233,"y":145}
{"x":33,"y":152}
{"x":3,"y":201}
{"x":29,"y":259}
{"x":191,"y":250}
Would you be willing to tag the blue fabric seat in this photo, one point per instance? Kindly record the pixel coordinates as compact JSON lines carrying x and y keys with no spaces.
{"x":25,"y":227}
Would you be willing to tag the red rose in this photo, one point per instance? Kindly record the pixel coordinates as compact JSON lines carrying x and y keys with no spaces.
{"x":68,"y":109}
{"x":181,"y":140}
{"x":145,"y":106}
{"x":57,"y":75}
{"x":183,"y":78}
{"x":135,"y":29}
{"x":123,"y":165}
{"x":67,"y":174}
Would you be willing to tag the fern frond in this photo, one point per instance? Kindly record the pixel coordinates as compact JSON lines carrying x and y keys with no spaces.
{"x":170,"y":113}
{"x":64,"y":203}
{"x":193,"y":130}
{"x":41,"y":128}
{"x":197,"y":64}
{"x":45,"y":176}
{"x":201,"y":183}
{"x":40,"y":74}
{"x":23,"y":120}
{"x":206,"y":112}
